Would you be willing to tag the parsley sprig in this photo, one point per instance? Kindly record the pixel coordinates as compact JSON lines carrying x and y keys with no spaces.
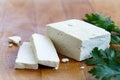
{"x":107,"y":64}
{"x":106,"y":23}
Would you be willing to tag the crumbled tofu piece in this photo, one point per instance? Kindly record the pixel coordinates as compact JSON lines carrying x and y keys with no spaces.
{"x":10,"y":45}
{"x":76,"y":38}
{"x":26,"y":58}
{"x":44,"y":50}
{"x":14,"y":39}
{"x":82,"y":67}
{"x":64,"y":60}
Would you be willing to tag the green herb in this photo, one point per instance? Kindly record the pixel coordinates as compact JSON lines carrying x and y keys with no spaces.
{"x":105,"y":23}
{"x":115,"y":39}
{"x":107,"y":64}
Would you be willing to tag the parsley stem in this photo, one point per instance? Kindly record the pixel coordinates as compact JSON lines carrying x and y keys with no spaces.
{"x":116,"y":29}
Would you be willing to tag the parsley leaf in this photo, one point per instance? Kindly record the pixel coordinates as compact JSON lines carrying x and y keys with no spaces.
{"x":107,"y":64}
{"x":106,"y":23}
{"x":115,"y":39}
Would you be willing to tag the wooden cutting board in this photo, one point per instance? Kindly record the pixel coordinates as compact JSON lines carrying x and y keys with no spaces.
{"x":25,"y":17}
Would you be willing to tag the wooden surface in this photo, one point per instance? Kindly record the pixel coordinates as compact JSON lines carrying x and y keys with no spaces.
{"x":25,"y":17}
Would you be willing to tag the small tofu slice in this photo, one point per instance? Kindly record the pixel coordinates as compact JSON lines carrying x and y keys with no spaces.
{"x":26,"y":58}
{"x":15,"y":39}
{"x":45,"y":51}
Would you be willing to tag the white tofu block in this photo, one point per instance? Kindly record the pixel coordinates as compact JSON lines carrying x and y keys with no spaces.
{"x":76,"y":38}
{"x":14,"y":39}
{"x":26,"y":58}
{"x":45,"y":51}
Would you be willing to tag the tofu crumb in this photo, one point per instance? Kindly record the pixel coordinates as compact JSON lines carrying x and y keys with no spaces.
{"x":10,"y":45}
{"x":56,"y":68}
{"x":82,"y":67}
{"x":64,"y":60}
{"x":14,"y":40}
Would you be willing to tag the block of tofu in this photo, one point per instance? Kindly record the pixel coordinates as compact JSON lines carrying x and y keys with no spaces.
{"x":45,"y":51}
{"x":76,"y":38}
{"x":26,"y":58}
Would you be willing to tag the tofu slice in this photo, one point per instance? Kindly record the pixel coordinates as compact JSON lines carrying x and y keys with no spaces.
{"x":45,"y":51}
{"x":15,"y":39}
{"x":26,"y":58}
{"x":76,"y":39}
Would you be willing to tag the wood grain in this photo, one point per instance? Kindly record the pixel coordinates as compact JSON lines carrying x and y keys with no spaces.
{"x":2,"y":11}
{"x":46,"y":12}
{"x":25,"y":17}
{"x":76,"y":8}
